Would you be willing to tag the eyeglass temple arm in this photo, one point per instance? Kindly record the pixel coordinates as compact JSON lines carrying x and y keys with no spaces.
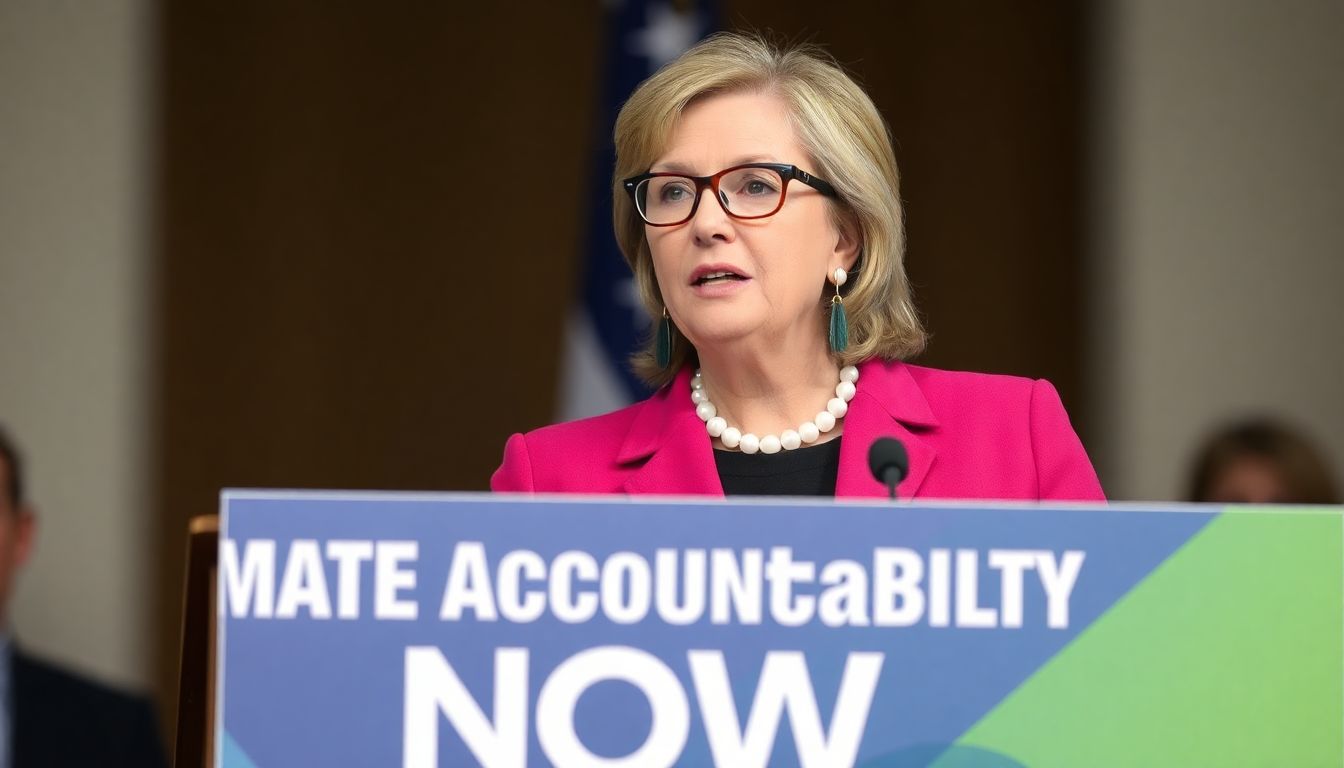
{"x":812,"y":181}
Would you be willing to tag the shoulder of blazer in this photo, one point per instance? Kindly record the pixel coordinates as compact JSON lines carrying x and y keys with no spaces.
{"x":585,"y":434}
{"x":50,"y":704}
{"x":38,"y":680}
{"x":621,"y":433}
{"x":936,"y":382}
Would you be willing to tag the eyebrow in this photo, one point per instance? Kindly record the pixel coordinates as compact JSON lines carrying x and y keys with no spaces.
{"x":678,"y":167}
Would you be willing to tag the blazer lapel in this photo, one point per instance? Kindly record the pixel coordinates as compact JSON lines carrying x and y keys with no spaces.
{"x":677,"y":459}
{"x":888,"y":403}
{"x":680,"y":456}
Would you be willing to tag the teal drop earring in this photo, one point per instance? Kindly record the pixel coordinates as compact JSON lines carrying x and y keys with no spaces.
{"x":663,"y":346}
{"x":839,"y":336}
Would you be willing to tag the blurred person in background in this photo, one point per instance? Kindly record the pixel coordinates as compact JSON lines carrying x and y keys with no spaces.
{"x":49,"y":717}
{"x":1260,"y":461}
{"x":756,"y":199}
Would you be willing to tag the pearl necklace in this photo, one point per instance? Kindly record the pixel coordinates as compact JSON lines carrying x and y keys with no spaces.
{"x":807,"y":432}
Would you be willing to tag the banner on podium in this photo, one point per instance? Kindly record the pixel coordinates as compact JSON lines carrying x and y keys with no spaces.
{"x":462,"y":629}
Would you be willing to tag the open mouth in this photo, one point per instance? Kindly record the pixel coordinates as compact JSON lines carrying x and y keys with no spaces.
{"x":714,"y":278}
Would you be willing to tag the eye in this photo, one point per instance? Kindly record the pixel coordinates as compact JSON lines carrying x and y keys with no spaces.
{"x":674,"y":193}
{"x":758,"y":186}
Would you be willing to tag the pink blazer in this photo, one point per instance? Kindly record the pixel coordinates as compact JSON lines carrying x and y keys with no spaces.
{"x":969,"y":436}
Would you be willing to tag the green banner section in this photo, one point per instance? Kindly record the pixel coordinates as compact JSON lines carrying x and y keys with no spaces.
{"x":1231,"y":653}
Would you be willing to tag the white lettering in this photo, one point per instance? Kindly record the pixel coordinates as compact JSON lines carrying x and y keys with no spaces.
{"x":348,"y":556}
{"x":896,"y":576}
{"x":565,"y":604}
{"x":389,"y":579}
{"x":304,"y":583}
{"x":969,"y":612}
{"x":845,"y":601}
{"x":620,"y":605}
{"x":782,"y":572}
{"x":1058,"y":580}
{"x":692,"y":606}
{"x":433,"y":686}
{"x":561,"y":692}
{"x":468,"y":584}
{"x":940,"y":589}
{"x":1012,"y":563}
{"x":514,"y":604}
{"x":253,"y":583}
{"x":784,"y":685}
{"x":735,"y":587}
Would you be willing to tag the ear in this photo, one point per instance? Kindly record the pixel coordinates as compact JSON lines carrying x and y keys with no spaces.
{"x":848,"y":244}
{"x":25,"y":532}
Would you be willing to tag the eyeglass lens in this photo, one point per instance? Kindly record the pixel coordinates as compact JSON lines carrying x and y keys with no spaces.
{"x":745,"y":192}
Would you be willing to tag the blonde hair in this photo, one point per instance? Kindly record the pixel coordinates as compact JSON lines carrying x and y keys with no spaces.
{"x":847,"y":141}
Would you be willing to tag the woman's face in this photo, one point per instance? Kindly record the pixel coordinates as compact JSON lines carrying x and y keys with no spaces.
{"x":1249,"y":480}
{"x":777,"y":266}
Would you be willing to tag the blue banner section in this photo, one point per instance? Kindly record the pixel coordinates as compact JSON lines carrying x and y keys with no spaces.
{"x":464,"y":629}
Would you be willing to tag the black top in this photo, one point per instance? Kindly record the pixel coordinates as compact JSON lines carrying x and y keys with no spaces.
{"x":60,"y":719}
{"x":808,"y":471}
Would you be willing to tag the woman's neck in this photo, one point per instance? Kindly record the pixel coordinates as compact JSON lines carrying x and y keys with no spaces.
{"x":764,"y":391}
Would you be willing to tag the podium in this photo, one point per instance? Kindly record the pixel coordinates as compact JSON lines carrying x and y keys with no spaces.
{"x":420,"y":630}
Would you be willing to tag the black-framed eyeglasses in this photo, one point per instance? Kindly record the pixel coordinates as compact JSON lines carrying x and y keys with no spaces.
{"x":750,"y":191}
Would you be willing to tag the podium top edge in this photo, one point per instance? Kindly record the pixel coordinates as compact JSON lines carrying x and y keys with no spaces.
{"x":281,"y":494}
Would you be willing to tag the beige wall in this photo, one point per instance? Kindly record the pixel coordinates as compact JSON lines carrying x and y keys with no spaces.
{"x":72,"y":324}
{"x":1219,"y":236}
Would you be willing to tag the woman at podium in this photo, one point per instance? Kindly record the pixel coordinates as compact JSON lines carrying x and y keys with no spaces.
{"x":757,"y":203}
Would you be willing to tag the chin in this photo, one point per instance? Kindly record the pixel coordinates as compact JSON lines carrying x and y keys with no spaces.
{"x":711,"y":335}
{"x":722,"y":322}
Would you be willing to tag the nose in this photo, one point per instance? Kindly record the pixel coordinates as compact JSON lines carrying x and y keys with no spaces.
{"x":711,"y":221}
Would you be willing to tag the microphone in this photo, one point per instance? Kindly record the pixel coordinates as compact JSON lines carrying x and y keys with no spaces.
{"x":889,"y":462}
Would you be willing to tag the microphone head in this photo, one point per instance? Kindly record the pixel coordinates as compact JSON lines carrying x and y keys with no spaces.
{"x":886,"y":453}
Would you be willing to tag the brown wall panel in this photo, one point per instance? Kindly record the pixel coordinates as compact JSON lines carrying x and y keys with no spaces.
{"x":368,"y":226}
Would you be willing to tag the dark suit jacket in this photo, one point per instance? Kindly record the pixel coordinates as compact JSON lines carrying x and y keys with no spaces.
{"x":61,"y":719}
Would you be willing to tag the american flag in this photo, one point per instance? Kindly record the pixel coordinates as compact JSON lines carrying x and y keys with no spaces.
{"x":607,"y":321}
